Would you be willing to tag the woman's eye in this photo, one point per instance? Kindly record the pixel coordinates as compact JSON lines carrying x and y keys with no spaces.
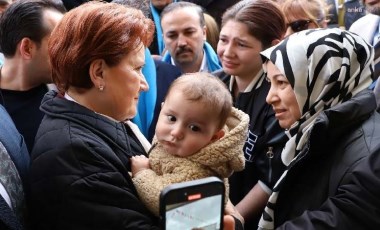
{"x":171,"y":36}
{"x":194,"y":128}
{"x":223,"y":40}
{"x":282,"y":84}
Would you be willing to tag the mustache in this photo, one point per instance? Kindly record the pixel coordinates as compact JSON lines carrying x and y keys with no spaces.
{"x":183,"y":49}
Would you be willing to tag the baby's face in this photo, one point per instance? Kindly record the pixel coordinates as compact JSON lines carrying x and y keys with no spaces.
{"x":184,"y":126}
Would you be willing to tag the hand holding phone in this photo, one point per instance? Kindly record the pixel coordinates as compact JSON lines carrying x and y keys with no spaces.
{"x":193,"y":205}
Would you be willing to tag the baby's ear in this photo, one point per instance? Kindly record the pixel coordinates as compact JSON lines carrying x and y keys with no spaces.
{"x":218,"y":135}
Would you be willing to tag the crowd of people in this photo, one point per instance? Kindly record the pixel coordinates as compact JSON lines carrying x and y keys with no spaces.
{"x":105,"y":103}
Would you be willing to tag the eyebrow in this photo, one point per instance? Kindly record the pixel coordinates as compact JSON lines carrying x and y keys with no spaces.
{"x":236,"y":39}
{"x":241,"y":40}
{"x":190,"y":27}
{"x":278,"y":75}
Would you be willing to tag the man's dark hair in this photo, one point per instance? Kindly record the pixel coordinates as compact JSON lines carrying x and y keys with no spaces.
{"x":24,"y":18}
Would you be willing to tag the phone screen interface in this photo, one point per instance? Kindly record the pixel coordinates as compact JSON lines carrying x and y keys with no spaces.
{"x":202,"y":214}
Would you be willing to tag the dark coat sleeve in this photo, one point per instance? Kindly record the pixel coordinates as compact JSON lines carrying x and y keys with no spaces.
{"x":356,"y":204}
{"x":79,"y":182}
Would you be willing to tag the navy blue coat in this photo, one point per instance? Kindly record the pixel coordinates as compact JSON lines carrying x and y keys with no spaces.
{"x":16,"y":148}
{"x":166,"y":74}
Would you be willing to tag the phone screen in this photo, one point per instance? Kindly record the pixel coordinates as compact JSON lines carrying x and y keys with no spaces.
{"x":197,"y":214}
{"x":193,"y":205}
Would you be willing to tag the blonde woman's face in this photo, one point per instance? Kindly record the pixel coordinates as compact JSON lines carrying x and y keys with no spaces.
{"x":297,"y":23}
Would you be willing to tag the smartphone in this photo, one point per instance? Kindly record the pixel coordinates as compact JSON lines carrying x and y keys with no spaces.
{"x":193,"y":205}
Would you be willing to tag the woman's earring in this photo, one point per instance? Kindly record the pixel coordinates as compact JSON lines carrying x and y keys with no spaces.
{"x":101,"y":87}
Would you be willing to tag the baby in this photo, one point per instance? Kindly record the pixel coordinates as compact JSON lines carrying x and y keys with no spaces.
{"x":198,"y":134}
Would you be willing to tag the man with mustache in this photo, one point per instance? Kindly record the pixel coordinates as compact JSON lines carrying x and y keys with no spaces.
{"x":184,"y":34}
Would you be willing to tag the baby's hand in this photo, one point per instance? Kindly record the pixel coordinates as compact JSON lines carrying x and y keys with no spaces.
{"x":139,"y":163}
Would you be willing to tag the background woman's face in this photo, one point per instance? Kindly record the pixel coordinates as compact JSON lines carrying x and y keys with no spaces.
{"x":160,"y":4}
{"x":282,"y":97}
{"x":239,"y":51}
{"x":304,"y":23}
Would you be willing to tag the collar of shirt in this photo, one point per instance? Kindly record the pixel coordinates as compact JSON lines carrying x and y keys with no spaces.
{"x":251,"y":84}
{"x":68,"y":97}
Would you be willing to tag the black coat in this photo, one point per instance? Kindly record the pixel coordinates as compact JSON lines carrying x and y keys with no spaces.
{"x":265,"y":134}
{"x":79,"y":171}
{"x":336,"y":182}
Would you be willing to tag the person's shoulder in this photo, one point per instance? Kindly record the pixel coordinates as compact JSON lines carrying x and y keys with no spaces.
{"x":4,"y":116}
{"x":9,"y":134}
{"x":162,"y":65}
{"x":364,"y":22}
{"x":222,"y":75}
{"x":166,"y":73}
{"x":218,"y":73}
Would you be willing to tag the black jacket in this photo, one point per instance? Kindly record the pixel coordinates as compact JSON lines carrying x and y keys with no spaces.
{"x":79,"y":171}
{"x":335,"y":184}
{"x":265,"y":137}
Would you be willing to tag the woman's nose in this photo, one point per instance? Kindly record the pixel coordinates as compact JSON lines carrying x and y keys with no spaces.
{"x":271,"y":96}
{"x":143,"y":84}
{"x":228,"y":50}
